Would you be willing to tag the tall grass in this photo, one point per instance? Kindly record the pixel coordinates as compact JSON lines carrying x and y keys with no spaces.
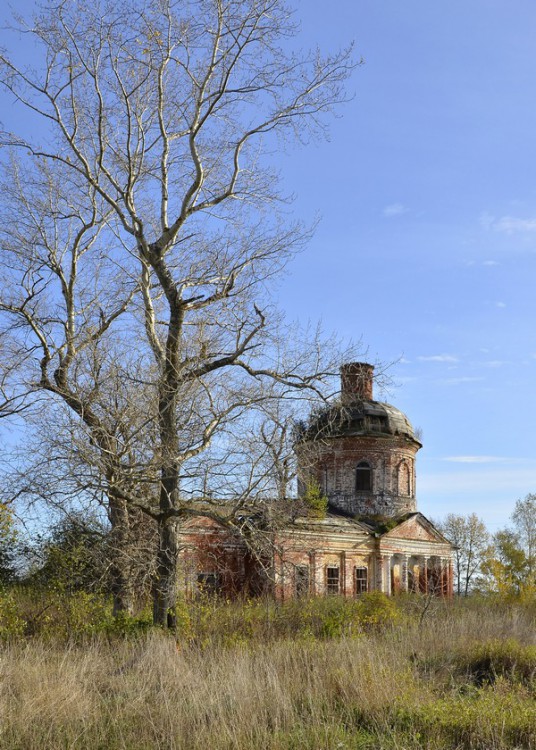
{"x":462,"y":677}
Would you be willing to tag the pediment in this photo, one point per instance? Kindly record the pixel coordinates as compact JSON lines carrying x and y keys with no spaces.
{"x":417,"y":528}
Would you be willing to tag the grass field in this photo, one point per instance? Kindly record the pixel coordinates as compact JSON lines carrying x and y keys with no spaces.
{"x":258,"y":677}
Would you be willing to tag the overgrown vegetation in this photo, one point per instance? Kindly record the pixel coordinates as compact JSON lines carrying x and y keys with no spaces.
{"x":316,"y":674}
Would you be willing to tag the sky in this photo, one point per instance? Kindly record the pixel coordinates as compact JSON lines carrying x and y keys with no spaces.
{"x":426,"y":246}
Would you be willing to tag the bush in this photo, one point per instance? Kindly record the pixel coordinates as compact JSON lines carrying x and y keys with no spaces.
{"x":484,"y":663}
{"x":11,"y":622}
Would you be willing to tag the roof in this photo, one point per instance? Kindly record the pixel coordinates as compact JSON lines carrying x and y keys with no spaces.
{"x":364,"y":417}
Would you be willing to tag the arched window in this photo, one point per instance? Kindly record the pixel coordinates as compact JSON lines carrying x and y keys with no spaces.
{"x":363,"y":477}
{"x":404,"y":479}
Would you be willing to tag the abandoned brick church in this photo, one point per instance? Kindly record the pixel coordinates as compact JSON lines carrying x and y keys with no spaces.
{"x":361,"y":453}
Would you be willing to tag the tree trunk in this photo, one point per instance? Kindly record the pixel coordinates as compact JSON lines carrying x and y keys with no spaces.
{"x":165,"y":590}
{"x":122,"y":583}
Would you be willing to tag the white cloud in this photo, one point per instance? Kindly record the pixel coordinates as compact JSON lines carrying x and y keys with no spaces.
{"x":490,"y":263}
{"x":494,"y":363}
{"x":500,"y":304}
{"x":439,"y":358}
{"x":394,"y":209}
{"x":507,"y":224}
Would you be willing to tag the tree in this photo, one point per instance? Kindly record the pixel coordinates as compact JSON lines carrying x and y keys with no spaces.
{"x":60,"y":297}
{"x":163,"y":113}
{"x":505,"y":566}
{"x":510,"y":564}
{"x":470,"y":538}
{"x":74,"y":555}
{"x":524,"y":520}
{"x":8,"y":571}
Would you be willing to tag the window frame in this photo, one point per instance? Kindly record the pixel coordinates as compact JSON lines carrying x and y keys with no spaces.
{"x":359,"y":580}
{"x":333,"y":583}
{"x":362,"y":470}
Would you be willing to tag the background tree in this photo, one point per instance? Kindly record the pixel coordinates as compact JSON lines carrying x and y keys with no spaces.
{"x":74,"y":555}
{"x":8,"y":537}
{"x":67,"y":369}
{"x":471,"y":539}
{"x":509,"y":564}
{"x":524,"y":521}
{"x":505,"y":566}
{"x":166,"y":112}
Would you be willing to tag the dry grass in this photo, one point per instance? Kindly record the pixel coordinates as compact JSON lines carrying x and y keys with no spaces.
{"x":401,"y":688}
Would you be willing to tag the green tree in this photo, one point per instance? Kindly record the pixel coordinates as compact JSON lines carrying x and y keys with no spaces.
{"x":8,"y":538}
{"x":316,"y":503}
{"x":505,"y":566}
{"x":75,"y":555}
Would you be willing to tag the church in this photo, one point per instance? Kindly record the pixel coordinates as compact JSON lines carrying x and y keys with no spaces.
{"x":361,"y":453}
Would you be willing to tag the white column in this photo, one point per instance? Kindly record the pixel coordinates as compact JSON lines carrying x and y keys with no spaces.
{"x":387,"y":574}
{"x":404,"y":573}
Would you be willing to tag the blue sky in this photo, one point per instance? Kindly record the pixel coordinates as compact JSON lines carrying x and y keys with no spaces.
{"x":426,"y":247}
{"x":427,"y":244}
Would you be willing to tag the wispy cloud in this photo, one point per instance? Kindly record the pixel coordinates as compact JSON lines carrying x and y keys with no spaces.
{"x":491,"y":263}
{"x":439,"y":358}
{"x":459,"y":381}
{"x":500,"y":304}
{"x":394,"y":209}
{"x":507,"y":224}
{"x":475,"y":459}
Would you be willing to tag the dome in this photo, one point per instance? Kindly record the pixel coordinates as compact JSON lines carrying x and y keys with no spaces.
{"x":357,"y":414}
{"x":362,"y":418}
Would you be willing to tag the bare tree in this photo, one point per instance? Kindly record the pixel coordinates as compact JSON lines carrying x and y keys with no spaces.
{"x":166,"y":112}
{"x":524,"y":520}
{"x":62,"y":294}
{"x":471,"y":539}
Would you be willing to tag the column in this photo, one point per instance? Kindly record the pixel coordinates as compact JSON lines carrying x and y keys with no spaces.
{"x":347,"y":565}
{"x":404,"y":573}
{"x":423,"y":584}
{"x":313,"y":587}
{"x":379,"y":573}
{"x":445,"y":562}
{"x":387,"y":574}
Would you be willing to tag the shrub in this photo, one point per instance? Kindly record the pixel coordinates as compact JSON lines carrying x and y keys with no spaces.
{"x":11,"y":622}
{"x":509,"y":659}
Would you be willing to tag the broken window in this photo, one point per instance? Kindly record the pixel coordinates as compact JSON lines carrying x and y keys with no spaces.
{"x":363,"y":477}
{"x":332,"y":581}
{"x":301,"y":580}
{"x":360,"y":581}
{"x":208,"y":584}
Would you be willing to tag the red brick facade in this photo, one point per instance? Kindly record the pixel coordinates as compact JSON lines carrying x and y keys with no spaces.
{"x":362,"y":454}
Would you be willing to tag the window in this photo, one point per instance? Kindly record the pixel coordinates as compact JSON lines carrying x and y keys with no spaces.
{"x":332,"y":581}
{"x":208,"y":584}
{"x":363,"y":477}
{"x":301,"y":580}
{"x":360,"y":581}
